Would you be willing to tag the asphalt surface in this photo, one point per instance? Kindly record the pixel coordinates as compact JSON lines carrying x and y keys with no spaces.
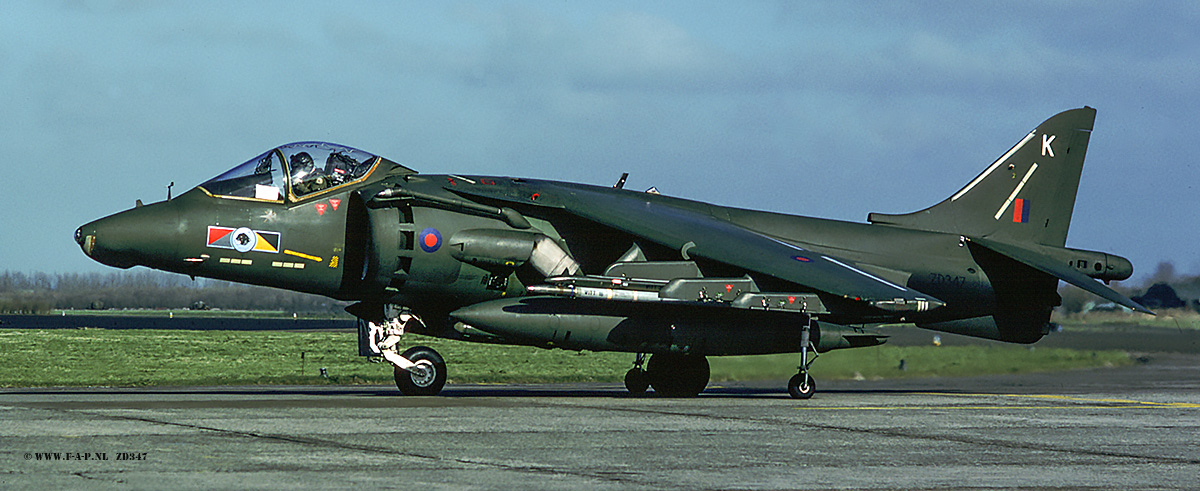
{"x":1117,"y":428}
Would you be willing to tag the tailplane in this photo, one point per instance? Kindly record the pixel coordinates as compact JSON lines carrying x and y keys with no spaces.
{"x":1027,"y":195}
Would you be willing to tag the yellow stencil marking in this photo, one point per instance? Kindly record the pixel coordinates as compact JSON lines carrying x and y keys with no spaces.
{"x":303,"y":255}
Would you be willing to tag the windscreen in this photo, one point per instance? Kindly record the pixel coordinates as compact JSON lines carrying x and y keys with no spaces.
{"x":258,"y":178}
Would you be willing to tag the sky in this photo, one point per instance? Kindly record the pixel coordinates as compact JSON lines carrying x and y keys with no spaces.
{"x":827,"y":109}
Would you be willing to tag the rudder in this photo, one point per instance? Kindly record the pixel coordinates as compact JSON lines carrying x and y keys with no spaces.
{"x":1027,"y":195}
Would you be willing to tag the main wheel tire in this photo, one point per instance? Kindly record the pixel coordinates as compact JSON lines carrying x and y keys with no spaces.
{"x":802,"y":386}
{"x":637,"y":381}
{"x":427,"y":378}
{"x":675,"y":375}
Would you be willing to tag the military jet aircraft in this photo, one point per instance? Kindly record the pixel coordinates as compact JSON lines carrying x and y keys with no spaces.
{"x":521,"y":261}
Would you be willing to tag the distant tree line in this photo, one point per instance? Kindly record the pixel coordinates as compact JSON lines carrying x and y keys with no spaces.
{"x":1163,"y":290}
{"x":39,"y":293}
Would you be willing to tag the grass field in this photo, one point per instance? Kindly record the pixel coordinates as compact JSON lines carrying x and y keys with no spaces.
{"x":213,"y":313}
{"x":98,"y":357}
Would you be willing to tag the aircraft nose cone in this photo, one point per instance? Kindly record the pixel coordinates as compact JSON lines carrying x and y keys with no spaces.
{"x":141,"y":236}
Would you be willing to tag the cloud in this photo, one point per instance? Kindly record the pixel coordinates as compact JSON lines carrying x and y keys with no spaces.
{"x":829,"y":109}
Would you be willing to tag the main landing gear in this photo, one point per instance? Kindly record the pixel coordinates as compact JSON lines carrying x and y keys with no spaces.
{"x":671,"y":375}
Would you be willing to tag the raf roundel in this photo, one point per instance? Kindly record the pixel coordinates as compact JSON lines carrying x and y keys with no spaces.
{"x":430,"y":240}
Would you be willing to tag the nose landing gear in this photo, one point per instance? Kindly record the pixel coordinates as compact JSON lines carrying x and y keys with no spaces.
{"x":419,"y":371}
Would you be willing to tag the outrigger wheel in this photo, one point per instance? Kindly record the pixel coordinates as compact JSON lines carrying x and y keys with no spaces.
{"x":802,"y":386}
{"x":425,"y":379}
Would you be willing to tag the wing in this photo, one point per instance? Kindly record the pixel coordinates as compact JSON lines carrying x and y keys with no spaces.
{"x":696,"y":233}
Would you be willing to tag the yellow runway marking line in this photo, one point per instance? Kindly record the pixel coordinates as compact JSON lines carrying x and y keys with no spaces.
{"x":1095,"y":403}
{"x":1071,"y":398}
{"x":942,"y":408}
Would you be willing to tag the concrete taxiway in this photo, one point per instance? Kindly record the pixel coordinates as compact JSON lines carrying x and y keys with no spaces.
{"x":1126,"y":428}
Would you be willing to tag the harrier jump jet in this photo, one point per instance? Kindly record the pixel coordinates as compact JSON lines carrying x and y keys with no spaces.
{"x":521,"y":261}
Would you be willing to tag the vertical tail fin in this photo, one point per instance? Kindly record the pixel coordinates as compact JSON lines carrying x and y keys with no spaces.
{"x":1027,"y":195}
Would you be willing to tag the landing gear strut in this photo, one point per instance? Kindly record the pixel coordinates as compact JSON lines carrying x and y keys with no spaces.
{"x":801,"y":385}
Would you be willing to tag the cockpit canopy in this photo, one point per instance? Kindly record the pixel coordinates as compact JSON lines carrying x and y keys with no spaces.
{"x":294,"y":171}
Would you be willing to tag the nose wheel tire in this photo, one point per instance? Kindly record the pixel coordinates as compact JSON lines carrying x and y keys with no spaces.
{"x":425,"y":379}
{"x":801,"y":386}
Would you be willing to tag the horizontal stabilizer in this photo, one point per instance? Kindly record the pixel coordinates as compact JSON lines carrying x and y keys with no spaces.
{"x":1063,"y":272}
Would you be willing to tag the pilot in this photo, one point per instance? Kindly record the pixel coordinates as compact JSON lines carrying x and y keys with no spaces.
{"x":302,"y":166}
{"x":339,"y":167}
{"x":264,"y":166}
{"x":304,"y":179}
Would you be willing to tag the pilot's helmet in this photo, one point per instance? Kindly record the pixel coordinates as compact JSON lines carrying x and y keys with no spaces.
{"x":264,"y":166}
{"x":302,"y":163}
{"x":339,"y":165}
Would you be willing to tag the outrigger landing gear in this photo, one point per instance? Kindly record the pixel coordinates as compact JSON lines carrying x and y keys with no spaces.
{"x":636,"y":380}
{"x":801,"y":385}
{"x":420,"y":371}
